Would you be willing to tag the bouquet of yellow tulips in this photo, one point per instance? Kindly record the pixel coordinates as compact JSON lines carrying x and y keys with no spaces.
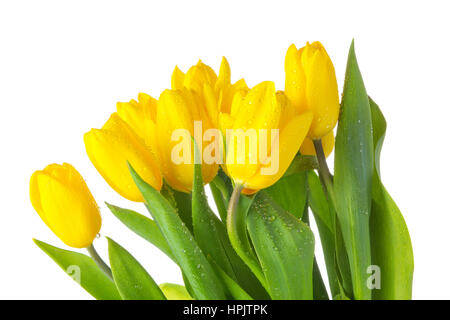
{"x":263,"y":154}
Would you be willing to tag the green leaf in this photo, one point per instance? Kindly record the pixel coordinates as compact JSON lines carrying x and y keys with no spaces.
{"x":181,"y":202}
{"x":142,"y":226}
{"x":353,"y":175}
{"x":391,"y":244}
{"x":219,"y":199}
{"x":83,"y":270}
{"x":235,"y":290}
{"x":201,"y":277}
{"x":132,"y":281}
{"x":290,"y":193}
{"x":284,"y":246}
{"x":212,"y":238}
{"x":319,"y":289}
{"x":323,"y":213}
{"x":175,"y":291}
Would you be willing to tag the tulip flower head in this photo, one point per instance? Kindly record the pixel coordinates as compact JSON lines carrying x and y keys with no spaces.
{"x":63,"y":201}
{"x":311,"y":85}
{"x":276,"y":128}
{"x":179,"y":113}
{"x":141,"y":117}
{"x":109,"y":149}
{"x":215,"y":92}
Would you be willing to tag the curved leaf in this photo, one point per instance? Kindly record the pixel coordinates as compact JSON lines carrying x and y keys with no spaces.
{"x":181,"y":202}
{"x":201,"y":277}
{"x":323,"y":213}
{"x":284,"y":246}
{"x":142,"y":226}
{"x":132,"y":281}
{"x":83,"y":270}
{"x":291,"y":194}
{"x":391,"y":244}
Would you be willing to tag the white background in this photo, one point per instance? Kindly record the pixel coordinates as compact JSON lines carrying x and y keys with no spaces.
{"x":64,"y":65}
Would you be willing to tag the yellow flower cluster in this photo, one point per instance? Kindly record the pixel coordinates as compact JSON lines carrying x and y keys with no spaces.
{"x":141,"y":133}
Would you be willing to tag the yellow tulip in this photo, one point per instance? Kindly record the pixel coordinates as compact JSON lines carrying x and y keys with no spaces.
{"x":262,"y":108}
{"x":311,"y":85}
{"x":214,"y":92}
{"x":109,"y":149}
{"x":141,"y":117}
{"x":63,"y":201}
{"x":178,"y":109}
{"x":308,"y":148}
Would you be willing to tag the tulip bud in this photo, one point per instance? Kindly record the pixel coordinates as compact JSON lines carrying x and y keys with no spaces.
{"x":278,"y":128}
{"x":311,"y":85}
{"x":111,"y":147}
{"x":141,"y":117}
{"x":63,"y":201}
{"x":308,"y":149}
{"x":178,"y":112}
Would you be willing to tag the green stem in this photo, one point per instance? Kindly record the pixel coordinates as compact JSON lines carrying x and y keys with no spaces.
{"x":99,"y":261}
{"x":327,"y":183}
{"x":236,"y":229}
{"x":324,"y":172}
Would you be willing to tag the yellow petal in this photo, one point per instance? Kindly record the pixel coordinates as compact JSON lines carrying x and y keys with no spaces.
{"x":322,"y":94}
{"x":177,"y":79}
{"x":224,"y":78}
{"x":110,"y":148}
{"x":295,"y":81}
{"x":259,"y":110}
{"x":291,"y":137}
{"x":140,"y":116}
{"x":63,"y":201}
{"x":199,"y":75}
{"x":308,"y":149}
{"x":179,"y":110}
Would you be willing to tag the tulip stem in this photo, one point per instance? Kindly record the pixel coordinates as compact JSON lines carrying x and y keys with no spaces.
{"x":99,"y":261}
{"x":237,"y":233}
{"x":324,"y":171}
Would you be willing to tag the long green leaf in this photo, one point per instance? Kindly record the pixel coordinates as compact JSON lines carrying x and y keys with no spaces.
{"x":201,"y":277}
{"x":181,"y":202}
{"x":142,"y":226}
{"x":83,"y":270}
{"x":285,"y":248}
{"x":132,"y":280}
{"x":323,"y":213}
{"x":219,"y":200}
{"x":391,"y":243}
{"x":319,"y":289}
{"x":212,"y":238}
{"x":353,"y":175}
{"x":221,"y":188}
{"x":235,"y":290}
